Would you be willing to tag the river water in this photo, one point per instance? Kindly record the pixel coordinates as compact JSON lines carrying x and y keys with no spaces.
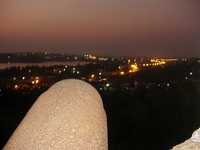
{"x":73,"y":63}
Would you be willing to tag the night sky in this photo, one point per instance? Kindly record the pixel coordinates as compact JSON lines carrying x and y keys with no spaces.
{"x":155,"y":28}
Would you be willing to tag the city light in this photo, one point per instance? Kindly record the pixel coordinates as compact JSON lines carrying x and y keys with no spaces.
{"x":36,"y":81}
{"x":122,"y":73}
{"x":134,"y":68}
{"x":103,"y":59}
{"x":130,"y":71}
{"x":46,"y":53}
{"x":158,"y":60}
{"x":120,"y":67}
{"x":92,"y":57}
{"x":115,"y":66}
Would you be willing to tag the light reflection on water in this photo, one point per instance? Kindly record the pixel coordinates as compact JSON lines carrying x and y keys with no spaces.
{"x":73,"y":63}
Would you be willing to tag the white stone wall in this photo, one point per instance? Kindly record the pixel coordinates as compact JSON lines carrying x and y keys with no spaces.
{"x":191,"y":144}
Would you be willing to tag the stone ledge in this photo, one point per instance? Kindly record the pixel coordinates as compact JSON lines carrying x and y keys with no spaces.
{"x":187,"y":145}
{"x":191,"y":144}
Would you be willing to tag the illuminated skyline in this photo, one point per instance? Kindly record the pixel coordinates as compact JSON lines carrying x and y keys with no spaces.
{"x":131,"y":28}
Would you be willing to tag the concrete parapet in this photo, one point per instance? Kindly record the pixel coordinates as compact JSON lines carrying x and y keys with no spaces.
{"x":70,"y":116}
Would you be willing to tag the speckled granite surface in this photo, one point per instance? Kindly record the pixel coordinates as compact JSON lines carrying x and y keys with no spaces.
{"x":69,"y":115}
{"x":191,"y":144}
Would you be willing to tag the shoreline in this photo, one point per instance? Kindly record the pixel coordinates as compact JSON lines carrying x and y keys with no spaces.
{"x":46,"y":63}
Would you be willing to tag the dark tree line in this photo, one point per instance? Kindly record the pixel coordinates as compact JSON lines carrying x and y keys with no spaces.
{"x":157,"y":120}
